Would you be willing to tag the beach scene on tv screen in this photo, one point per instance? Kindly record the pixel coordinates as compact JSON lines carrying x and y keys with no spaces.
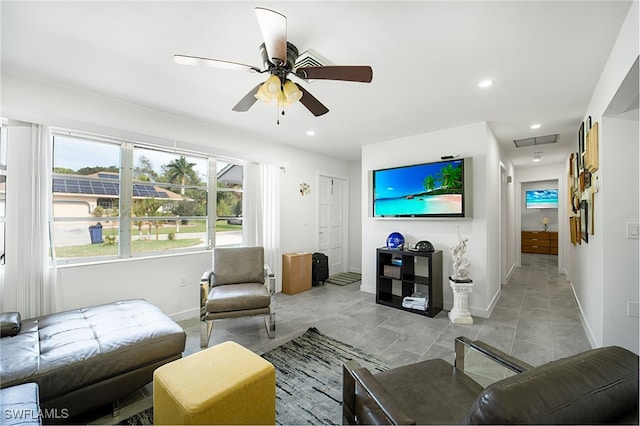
{"x":542,"y":199}
{"x":425,"y":189}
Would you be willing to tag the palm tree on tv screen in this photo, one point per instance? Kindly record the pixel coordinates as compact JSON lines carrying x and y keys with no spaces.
{"x":429,"y":183}
{"x":450,"y":177}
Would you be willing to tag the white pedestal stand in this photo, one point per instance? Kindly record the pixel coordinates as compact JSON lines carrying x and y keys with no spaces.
{"x":460,"y":314}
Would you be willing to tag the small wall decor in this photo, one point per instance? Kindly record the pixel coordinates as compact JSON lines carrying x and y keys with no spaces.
{"x":584,"y":220}
{"x":581,"y":145}
{"x":591,"y":159}
{"x":305,"y":189}
{"x":574,"y":222}
{"x":592,"y":222}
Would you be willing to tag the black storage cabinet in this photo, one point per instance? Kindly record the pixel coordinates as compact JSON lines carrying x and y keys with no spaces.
{"x":399,"y":265}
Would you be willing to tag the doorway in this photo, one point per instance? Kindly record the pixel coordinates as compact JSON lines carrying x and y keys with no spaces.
{"x":332,"y":221}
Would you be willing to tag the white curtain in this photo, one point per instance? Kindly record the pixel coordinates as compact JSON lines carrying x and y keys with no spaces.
{"x":261,"y":212}
{"x":251,"y":214}
{"x":270,"y":209}
{"x":36,"y":277}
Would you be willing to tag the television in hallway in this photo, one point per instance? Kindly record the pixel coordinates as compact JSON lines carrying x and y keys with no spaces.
{"x":542,"y":199}
{"x":420,"y":190}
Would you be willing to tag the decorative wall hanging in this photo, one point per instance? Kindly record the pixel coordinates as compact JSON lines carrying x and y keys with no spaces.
{"x":305,"y":189}
{"x":581,"y":146}
{"x":574,"y":230}
{"x":584,"y":220}
{"x":591,"y":159}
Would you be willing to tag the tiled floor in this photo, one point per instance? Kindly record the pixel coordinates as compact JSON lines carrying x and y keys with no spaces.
{"x":536,"y":319}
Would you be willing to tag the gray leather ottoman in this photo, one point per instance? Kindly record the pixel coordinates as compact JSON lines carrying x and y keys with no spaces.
{"x":19,"y":405}
{"x":87,"y":358}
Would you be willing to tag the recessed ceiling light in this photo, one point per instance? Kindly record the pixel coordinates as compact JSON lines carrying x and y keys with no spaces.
{"x":535,"y":126}
{"x":310,"y":133}
{"x":485,"y":83}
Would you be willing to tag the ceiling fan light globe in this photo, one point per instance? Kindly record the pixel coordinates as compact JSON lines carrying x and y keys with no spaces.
{"x":291,"y":92}
{"x":273,"y":85}
{"x":263,"y":94}
{"x":282,"y":100}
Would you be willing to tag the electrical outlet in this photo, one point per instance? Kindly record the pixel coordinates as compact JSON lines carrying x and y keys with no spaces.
{"x":633,"y":230}
{"x":183,"y":281}
{"x":633,"y":309}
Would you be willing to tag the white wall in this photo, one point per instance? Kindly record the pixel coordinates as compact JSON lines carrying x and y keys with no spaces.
{"x":42,"y":102}
{"x":604,"y":273}
{"x":474,"y":141}
{"x":355,"y":218}
{"x":621,"y":277}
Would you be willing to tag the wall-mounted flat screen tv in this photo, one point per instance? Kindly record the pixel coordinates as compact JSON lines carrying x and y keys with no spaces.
{"x":542,"y":199}
{"x":420,"y":190}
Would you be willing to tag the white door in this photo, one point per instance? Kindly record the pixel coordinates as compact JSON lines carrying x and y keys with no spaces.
{"x":331,"y":222}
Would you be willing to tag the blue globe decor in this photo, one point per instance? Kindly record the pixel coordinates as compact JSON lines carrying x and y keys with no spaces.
{"x":395,"y":240}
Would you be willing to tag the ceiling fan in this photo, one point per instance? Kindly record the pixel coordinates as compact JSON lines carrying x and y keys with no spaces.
{"x":279,"y":57}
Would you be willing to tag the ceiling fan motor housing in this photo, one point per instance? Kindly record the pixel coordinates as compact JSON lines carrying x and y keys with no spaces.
{"x":292,"y":56}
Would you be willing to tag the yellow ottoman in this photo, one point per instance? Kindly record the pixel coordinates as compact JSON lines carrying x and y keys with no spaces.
{"x":225,"y":384}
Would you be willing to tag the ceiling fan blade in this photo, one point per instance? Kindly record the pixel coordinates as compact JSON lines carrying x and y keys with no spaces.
{"x":312,"y":104}
{"x":213,"y":63}
{"x":248,"y":100}
{"x":361,"y":73}
{"x":274,"y":32}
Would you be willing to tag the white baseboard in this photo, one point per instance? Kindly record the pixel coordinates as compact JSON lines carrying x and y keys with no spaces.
{"x":510,"y":273}
{"x":368,"y":288}
{"x":185,"y":315}
{"x":587,"y":330}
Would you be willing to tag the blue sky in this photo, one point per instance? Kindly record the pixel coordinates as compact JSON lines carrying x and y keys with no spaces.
{"x":399,"y":182}
{"x":76,"y":153}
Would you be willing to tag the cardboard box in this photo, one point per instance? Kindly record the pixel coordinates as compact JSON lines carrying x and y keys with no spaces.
{"x":296,"y":272}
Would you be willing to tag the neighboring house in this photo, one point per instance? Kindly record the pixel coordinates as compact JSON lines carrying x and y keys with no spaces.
{"x":79,"y":195}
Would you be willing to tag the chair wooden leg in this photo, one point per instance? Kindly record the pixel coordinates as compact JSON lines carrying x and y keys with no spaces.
{"x":205,"y":332}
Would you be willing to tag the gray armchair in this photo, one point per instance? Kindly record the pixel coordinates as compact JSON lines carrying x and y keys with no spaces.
{"x":488,"y":386}
{"x":239,"y":284}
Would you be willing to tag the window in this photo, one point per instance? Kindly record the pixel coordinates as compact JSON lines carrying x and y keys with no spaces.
{"x":84,"y":171}
{"x":169,"y":193}
{"x":228,"y":204}
{"x":119,"y":198}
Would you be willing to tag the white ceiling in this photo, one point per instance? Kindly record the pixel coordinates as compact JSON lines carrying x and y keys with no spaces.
{"x":427,"y":57}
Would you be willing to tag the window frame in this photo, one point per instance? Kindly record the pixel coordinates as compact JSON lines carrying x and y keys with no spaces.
{"x":125,"y":199}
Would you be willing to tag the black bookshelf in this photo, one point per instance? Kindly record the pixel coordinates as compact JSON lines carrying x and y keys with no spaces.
{"x":411,"y":271}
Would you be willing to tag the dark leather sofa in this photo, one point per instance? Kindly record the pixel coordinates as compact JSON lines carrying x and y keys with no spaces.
{"x":599,"y":386}
{"x":87,"y":358}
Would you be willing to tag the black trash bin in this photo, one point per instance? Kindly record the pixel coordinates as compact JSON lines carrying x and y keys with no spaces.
{"x":95,"y":231}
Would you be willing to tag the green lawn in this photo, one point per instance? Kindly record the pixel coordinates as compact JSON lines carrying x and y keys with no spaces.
{"x":194,"y":226}
{"x":141,"y":246}
{"x":137,"y":246}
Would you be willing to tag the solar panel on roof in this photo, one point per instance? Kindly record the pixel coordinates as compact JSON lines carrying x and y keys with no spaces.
{"x":90,"y":186}
{"x":108,"y":176}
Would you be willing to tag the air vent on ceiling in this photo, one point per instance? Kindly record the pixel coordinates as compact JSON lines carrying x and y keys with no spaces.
{"x":309,"y":58}
{"x":540,"y":140}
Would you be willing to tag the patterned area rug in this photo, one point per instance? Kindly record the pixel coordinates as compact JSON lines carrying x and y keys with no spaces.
{"x":344,"y":278}
{"x":308,"y":379}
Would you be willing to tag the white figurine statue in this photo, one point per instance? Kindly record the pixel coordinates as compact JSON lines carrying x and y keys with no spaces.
{"x":460,"y":264}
